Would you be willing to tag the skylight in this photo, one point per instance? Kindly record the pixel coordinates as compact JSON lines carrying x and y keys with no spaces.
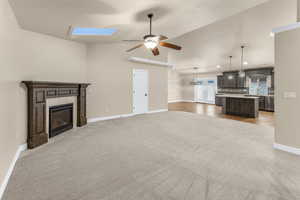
{"x":93,"y":31}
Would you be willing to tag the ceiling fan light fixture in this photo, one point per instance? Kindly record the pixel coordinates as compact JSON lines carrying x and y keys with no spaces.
{"x":151,"y":43}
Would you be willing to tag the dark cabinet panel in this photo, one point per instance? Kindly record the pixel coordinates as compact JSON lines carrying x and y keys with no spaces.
{"x":233,"y":80}
{"x":219,"y":101}
{"x":261,"y":103}
{"x":241,"y":82}
{"x":272,"y":80}
{"x":241,"y":107}
{"x":220,"y":81}
{"x":230,"y":80}
{"x":269,"y":103}
{"x":261,"y":71}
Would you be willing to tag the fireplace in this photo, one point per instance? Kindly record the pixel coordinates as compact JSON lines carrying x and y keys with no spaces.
{"x":60,"y":119}
{"x":39,"y":92}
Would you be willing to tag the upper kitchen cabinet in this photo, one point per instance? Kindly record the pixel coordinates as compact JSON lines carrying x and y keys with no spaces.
{"x":230,"y":79}
{"x":272,"y":80}
{"x":241,"y":82}
{"x":260,"y":71}
{"x":220,"y":81}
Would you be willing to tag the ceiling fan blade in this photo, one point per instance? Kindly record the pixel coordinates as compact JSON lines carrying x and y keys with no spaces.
{"x":155,"y":51}
{"x":132,"y":40}
{"x":162,"y":37}
{"x":133,"y":48}
{"x":169,"y":45}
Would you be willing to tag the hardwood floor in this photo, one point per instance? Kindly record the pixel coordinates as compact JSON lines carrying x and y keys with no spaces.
{"x":265,"y":118}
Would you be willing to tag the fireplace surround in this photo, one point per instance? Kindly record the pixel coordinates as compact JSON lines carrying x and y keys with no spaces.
{"x":38,"y":93}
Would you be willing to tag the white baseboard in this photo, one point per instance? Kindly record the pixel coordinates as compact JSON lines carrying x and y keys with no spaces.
{"x":20,"y":149}
{"x":157,"y":111}
{"x":189,"y":101}
{"x":108,"y":118}
{"x":91,"y":120}
{"x":288,"y":149}
{"x":181,"y":100}
{"x":176,"y":101}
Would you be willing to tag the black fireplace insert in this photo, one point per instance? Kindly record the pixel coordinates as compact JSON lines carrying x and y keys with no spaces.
{"x":60,"y":119}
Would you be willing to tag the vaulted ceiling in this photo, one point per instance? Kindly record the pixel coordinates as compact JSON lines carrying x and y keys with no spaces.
{"x":172,"y":17}
{"x":212,"y":45}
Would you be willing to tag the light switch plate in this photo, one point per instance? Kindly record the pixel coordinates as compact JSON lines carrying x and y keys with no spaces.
{"x":290,"y":95}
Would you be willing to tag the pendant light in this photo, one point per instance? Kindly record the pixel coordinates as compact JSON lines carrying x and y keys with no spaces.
{"x":230,"y":77}
{"x":195,"y":76}
{"x":242,"y":73}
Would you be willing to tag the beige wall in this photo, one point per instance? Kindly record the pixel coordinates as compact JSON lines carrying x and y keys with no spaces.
{"x":29,"y":56}
{"x":110,"y":73}
{"x":8,"y":137}
{"x":174,"y":86}
{"x":287,"y":48}
{"x":298,"y":10}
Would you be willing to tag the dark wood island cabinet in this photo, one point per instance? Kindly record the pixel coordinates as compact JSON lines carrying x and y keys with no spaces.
{"x":244,"y":106}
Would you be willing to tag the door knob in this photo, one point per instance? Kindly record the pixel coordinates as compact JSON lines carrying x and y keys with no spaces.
{"x":146,"y":94}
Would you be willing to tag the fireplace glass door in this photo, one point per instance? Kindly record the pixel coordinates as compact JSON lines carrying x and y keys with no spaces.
{"x":60,"y":119}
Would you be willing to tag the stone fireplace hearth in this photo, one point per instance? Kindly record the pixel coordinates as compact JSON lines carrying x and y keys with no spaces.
{"x":40,"y":96}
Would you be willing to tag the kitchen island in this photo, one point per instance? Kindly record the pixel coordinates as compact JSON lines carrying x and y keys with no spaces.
{"x":240,"y":105}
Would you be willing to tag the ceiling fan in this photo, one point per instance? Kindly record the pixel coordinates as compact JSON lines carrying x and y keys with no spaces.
{"x":153,"y":41}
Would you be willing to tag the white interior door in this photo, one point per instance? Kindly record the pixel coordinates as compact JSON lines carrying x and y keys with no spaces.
{"x":140,"y":91}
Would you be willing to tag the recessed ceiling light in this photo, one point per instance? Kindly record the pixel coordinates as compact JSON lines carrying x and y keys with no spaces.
{"x":93,"y":31}
{"x":218,"y":66}
{"x":272,"y":34}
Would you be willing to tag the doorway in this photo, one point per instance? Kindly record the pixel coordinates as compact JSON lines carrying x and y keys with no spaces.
{"x":205,"y":90}
{"x":140,"y":91}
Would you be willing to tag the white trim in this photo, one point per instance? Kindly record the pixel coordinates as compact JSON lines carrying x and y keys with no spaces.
{"x":288,"y":149}
{"x":128,"y":115}
{"x":148,"y":61}
{"x":91,"y":120}
{"x":185,"y":101}
{"x":20,"y":149}
{"x":96,"y":119}
{"x":157,"y":111}
{"x":286,"y":28}
{"x":23,"y":147}
{"x":175,"y":101}
{"x":189,"y":101}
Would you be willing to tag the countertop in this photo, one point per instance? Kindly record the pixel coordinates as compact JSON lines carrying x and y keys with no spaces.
{"x":240,"y":96}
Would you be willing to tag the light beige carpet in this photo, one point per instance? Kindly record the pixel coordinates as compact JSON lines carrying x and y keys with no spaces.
{"x":171,"y":155}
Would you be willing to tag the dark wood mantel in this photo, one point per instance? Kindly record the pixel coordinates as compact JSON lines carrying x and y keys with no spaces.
{"x":38,"y":93}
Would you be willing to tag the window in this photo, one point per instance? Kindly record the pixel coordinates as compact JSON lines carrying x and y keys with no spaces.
{"x":93,"y":31}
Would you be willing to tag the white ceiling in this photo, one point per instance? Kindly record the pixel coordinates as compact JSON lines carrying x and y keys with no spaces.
{"x":212,"y":45}
{"x":173,"y":17}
